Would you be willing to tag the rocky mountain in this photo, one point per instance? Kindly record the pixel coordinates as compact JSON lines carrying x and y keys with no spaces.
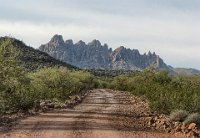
{"x":32,"y":59}
{"x":94,"y":55}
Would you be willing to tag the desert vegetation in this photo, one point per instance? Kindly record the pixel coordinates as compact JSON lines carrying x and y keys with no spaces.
{"x":165,"y":93}
{"x":22,"y":89}
{"x":176,"y":96}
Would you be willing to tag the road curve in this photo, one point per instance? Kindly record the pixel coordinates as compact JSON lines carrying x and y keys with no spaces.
{"x":102,"y":114}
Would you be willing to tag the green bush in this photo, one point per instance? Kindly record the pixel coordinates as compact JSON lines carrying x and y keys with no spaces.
{"x":178,"y":115}
{"x":52,"y":83}
{"x":14,"y":83}
{"x":165,"y":93}
{"x":60,"y":82}
{"x":192,"y":118}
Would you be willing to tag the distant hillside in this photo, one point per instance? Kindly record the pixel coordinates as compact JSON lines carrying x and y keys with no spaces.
{"x":94,"y":55}
{"x":33,"y":59}
{"x":185,"y":71}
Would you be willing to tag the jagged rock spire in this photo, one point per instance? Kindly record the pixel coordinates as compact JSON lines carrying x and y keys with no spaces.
{"x":57,"y":40}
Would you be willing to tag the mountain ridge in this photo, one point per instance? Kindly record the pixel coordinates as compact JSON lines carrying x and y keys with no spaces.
{"x":94,"y":55}
{"x":187,"y":71}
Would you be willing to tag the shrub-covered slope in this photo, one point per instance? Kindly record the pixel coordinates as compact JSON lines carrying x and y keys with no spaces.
{"x":30,"y":58}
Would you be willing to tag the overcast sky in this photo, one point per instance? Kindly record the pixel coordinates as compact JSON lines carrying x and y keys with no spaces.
{"x":171,"y":28}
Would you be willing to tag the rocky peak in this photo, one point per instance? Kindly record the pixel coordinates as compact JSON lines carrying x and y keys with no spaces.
{"x":80,"y":43}
{"x":119,"y":49}
{"x":119,"y":53}
{"x":69,"y":42}
{"x":57,"y":40}
{"x":95,"y":43}
{"x":149,"y":53}
{"x":105,"y":45}
{"x":135,"y":51}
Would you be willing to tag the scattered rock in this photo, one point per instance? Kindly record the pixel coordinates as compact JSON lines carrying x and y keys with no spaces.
{"x":50,"y":105}
{"x":192,"y":126}
{"x":178,"y":128}
{"x":192,"y":134}
{"x":57,"y":106}
{"x":163,"y":123}
{"x":151,"y":121}
{"x":42,"y":104}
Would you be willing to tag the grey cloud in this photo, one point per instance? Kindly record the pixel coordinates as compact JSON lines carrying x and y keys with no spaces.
{"x":143,"y":24}
{"x":52,"y":11}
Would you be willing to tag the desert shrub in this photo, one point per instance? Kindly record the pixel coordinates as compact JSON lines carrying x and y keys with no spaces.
{"x":13,"y":79}
{"x":165,"y":93}
{"x":193,"y":118}
{"x":52,"y":83}
{"x":60,"y":83}
{"x":178,"y":115}
{"x":22,"y":100}
{"x":83,"y":80}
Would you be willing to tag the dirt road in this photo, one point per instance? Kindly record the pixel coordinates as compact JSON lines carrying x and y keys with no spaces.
{"x":102,"y":114}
